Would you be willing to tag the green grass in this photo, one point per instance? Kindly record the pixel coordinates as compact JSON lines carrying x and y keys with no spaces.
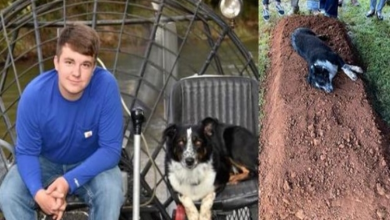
{"x":370,"y":37}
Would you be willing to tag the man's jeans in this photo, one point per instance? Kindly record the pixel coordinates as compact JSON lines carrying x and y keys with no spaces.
{"x":377,"y":7}
{"x":103,"y":194}
{"x":313,"y":5}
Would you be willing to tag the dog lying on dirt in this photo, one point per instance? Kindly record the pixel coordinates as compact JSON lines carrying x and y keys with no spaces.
{"x":323,"y":63}
{"x":201,"y":159}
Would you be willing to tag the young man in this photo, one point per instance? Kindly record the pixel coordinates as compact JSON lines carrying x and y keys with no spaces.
{"x":69,"y":136}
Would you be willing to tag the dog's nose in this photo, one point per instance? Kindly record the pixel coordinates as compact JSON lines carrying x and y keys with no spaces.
{"x":190,"y":161}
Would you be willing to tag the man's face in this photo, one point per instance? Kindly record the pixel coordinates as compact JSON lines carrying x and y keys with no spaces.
{"x":74,"y":72}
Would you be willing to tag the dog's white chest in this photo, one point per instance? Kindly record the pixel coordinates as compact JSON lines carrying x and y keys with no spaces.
{"x":195,"y":183}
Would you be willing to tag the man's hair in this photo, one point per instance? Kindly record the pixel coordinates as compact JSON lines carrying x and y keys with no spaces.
{"x":80,"y":38}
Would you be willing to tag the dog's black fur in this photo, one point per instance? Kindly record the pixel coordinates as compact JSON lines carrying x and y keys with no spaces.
{"x":216,"y":145}
{"x":237,"y":142}
{"x":323,"y":62}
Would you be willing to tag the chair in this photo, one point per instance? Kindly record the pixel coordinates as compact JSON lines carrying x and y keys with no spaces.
{"x":233,"y":100}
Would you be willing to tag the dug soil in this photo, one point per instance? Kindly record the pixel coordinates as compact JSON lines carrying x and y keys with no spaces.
{"x":323,"y":155}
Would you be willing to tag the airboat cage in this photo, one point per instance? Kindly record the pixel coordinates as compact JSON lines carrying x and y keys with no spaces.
{"x":147,"y":45}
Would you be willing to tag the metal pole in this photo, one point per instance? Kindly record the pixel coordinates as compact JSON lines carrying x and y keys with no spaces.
{"x":137,"y":115}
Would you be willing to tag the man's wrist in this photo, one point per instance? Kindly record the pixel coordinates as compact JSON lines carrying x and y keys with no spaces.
{"x":37,"y":194}
{"x":66,"y":184}
{"x":71,"y":181}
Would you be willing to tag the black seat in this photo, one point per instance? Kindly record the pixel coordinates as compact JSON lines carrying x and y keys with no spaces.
{"x":230,"y":99}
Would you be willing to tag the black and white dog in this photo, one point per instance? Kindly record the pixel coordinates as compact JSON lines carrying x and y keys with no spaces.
{"x":200,"y":159}
{"x":322,"y":61}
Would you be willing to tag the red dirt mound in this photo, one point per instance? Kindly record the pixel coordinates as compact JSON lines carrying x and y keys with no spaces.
{"x":323,"y":155}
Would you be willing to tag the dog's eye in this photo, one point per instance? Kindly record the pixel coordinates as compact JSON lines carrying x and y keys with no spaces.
{"x":198,"y":143}
{"x":181,"y":143}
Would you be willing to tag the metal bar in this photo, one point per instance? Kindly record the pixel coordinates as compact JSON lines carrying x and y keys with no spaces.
{"x":7,"y":120}
{"x":174,"y":64}
{"x":213,"y":51}
{"x":7,"y":161}
{"x":156,"y":202}
{"x":211,"y":43}
{"x":119,"y":41}
{"x":153,"y":156}
{"x":248,"y":63}
{"x":8,"y":61}
{"x":136,"y":176}
{"x":148,"y":50}
{"x":132,"y":21}
{"x":220,"y":22}
{"x":63,"y":13}
{"x":20,"y":21}
{"x":14,"y":8}
{"x":37,"y":36}
{"x":94,"y":19}
{"x":137,"y":116}
{"x":156,"y":152}
{"x":11,"y":57}
{"x":247,"y":55}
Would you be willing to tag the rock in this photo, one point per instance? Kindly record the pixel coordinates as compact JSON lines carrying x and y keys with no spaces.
{"x":380,"y":189}
{"x":286,"y":186}
{"x":299,"y":214}
{"x":381,"y":213}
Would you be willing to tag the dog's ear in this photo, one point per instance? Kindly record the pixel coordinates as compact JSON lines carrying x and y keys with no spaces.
{"x":169,"y":132}
{"x":208,"y":125}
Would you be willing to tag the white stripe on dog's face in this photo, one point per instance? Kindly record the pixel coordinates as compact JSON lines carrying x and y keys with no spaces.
{"x":189,"y":155}
{"x":189,"y":150}
{"x":332,"y":71}
{"x":189,"y":134}
{"x":329,"y":66}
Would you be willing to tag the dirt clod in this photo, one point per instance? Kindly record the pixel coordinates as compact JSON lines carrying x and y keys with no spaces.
{"x":299,"y":214}
{"x":323,"y":155}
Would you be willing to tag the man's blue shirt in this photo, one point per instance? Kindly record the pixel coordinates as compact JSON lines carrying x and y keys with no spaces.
{"x":86,"y":131}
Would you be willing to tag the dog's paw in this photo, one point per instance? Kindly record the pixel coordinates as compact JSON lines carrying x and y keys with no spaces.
{"x":185,"y":200}
{"x":357,"y":69}
{"x":207,"y":202}
{"x":209,"y":197}
{"x":192,"y":214}
{"x":353,"y":77}
{"x":349,"y":71}
{"x":190,"y":208}
{"x":205,"y":210}
{"x":205,"y":216}
{"x":353,"y":68}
